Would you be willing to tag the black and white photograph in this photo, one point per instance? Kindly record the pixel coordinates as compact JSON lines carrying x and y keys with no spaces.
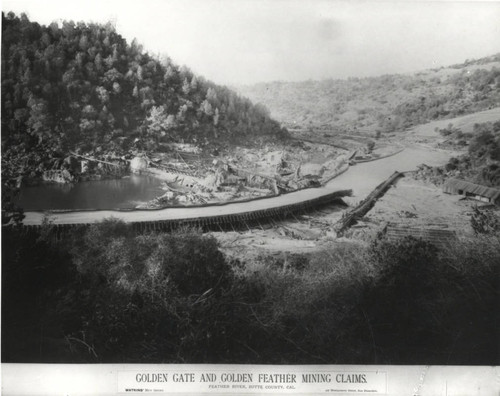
{"x":251,"y":182}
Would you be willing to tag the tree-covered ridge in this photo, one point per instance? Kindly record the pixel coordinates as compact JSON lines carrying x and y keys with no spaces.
{"x":481,"y":164}
{"x":386,"y":103}
{"x":82,"y":87}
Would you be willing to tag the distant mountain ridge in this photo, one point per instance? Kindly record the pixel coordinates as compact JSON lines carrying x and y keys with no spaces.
{"x":386,"y":103}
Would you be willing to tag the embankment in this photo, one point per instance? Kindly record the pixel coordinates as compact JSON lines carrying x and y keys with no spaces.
{"x":364,"y":206}
{"x":222,"y":221}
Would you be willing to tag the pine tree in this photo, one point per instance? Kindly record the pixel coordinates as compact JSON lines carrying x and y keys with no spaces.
{"x":186,"y":88}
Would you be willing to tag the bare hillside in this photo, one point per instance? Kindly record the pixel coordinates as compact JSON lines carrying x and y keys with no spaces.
{"x":386,"y":103}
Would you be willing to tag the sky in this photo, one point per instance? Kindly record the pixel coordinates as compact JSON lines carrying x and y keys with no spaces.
{"x":236,"y":42}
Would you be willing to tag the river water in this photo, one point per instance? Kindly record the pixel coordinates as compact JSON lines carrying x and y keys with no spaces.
{"x":361,"y":178}
{"x":364,"y":177}
{"x":124,"y":193}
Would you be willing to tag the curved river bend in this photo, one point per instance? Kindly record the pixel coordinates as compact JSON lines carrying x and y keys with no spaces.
{"x":361,"y":178}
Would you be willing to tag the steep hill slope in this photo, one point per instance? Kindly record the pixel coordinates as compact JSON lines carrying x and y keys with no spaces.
{"x":82,"y":87}
{"x":386,"y":103}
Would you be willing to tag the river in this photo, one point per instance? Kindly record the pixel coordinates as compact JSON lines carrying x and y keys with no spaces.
{"x":124,"y":193}
{"x":364,"y":177}
{"x":361,"y":178}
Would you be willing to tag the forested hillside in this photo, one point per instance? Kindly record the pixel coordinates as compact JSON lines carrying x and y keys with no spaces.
{"x":386,"y":103}
{"x":481,"y":163}
{"x":82,"y":87}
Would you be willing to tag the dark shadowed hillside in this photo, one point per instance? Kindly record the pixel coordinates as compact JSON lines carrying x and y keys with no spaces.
{"x":82,"y":87}
{"x":386,"y":103}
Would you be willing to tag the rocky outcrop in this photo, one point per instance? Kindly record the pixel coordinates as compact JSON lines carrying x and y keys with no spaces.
{"x":138,"y":165}
{"x":58,"y":176}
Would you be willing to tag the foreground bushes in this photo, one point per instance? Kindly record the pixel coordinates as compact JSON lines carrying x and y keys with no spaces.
{"x":435,"y":306}
{"x":160,"y":297}
{"x":109,"y":295}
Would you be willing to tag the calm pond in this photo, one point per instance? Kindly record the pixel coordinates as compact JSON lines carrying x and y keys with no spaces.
{"x":125,"y":193}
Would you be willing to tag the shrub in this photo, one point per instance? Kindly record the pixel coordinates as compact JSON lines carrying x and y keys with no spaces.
{"x":166,"y":291}
{"x":164,"y":298}
{"x":435,"y":305}
{"x":36,"y":274}
{"x":396,"y":304}
{"x":484,"y":222}
{"x":308,"y":315}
